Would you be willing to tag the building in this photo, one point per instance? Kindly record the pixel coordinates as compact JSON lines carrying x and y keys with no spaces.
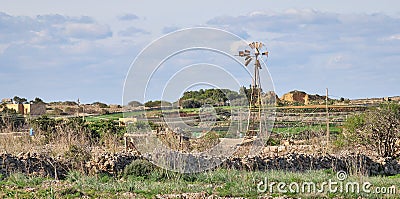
{"x":6,"y":100}
{"x":28,"y":109}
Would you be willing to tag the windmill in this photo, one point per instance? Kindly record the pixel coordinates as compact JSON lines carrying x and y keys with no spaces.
{"x":255,"y":102}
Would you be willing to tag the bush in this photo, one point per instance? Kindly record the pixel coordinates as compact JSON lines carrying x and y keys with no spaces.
{"x":101,"y":129}
{"x":190,"y":103}
{"x":135,"y":104}
{"x":272,"y":142}
{"x":139,"y":168}
{"x":101,"y":105}
{"x":77,"y":155}
{"x":139,"y":126}
{"x":377,"y":129}
{"x":157,"y":103}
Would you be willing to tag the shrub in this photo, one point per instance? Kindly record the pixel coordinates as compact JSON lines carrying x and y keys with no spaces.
{"x":377,"y":129}
{"x":139,"y":168}
{"x":135,"y":104}
{"x":139,"y":126}
{"x":101,"y":105}
{"x":190,"y":103}
{"x":272,"y":142}
{"x":77,"y":155}
{"x":157,"y":103}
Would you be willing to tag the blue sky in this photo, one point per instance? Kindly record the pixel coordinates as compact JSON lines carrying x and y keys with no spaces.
{"x":83,"y":49}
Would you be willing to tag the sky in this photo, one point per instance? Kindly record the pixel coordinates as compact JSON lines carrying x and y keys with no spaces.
{"x":65,"y":50}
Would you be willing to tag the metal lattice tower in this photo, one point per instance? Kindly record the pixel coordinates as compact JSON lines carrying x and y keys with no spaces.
{"x":255,"y":101}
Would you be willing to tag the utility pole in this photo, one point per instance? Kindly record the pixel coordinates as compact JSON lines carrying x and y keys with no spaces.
{"x":79,"y":105}
{"x":83,"y":112}
{"x":327,"y":118}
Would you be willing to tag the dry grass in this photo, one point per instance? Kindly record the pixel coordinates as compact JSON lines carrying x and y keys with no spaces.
{"x":57,"y":145}
{"x":17,"y":143}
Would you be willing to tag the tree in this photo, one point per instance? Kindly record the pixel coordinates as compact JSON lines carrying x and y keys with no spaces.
{"x":377,"y":129}
{"x":10,"y":119}
{"x":135,"y":104}
{"x":157,"y":103}
{"x":243,"y":91}
{"x":37,"y":101}
{"x":101,"y":105}
{"x":99,"y":129}
{"x":215,"y":97}
{"x":190,"y":103}
{"x":69,"y":103}
{"x":19,"y":100}
{"x":45,"y":126}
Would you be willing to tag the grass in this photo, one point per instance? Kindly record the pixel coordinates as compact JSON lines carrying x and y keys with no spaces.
{"x":112,"y":116}
{"x":300,"y":128}
{"x":221,"y":182}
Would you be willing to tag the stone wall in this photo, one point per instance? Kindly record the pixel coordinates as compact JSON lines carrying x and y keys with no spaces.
{"x":281,"y":159}
{"x":40,"y":165}
{"x":359,"y":164}
{"x":33,"y":164}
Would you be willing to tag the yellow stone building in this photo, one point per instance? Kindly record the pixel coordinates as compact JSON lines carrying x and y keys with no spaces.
{"x":28,"y":109}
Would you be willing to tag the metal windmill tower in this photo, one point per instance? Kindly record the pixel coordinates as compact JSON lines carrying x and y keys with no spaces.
{"x":255,"y":102}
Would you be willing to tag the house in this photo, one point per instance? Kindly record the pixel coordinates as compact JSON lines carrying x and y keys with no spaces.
{"x":6,"y":100}
{"x":28,"y":109}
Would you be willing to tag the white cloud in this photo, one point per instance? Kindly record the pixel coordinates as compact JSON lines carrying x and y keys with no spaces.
{"x":50,"y":29}
{"x":338,"y":62}
{"x":391,"y":37}
{"x":3,"y":47}
{"x":303,"y":44}
{"x":128,"y":17}
{"x":169,"y":29}
{"x":132,"y":31}
{"x":309,"y":49}
{"x":87,"y":31}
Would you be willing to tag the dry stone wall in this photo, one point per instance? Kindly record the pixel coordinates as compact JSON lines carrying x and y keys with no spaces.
{"x":33,"y":164}
{"x":40,"y":165}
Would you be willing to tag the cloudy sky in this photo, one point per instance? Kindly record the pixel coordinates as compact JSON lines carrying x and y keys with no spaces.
{"x":64,"y":50}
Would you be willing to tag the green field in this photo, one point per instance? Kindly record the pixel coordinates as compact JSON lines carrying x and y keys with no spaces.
{"x":299,"y":128}
{"x":113,"y":116}
{"x":221,"y":182}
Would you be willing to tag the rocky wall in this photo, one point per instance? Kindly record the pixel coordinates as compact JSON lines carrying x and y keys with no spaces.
{"x":40,"y":165}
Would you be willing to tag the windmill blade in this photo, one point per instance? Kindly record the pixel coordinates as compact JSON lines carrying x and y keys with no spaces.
{"x":248,"y":57}
{"x":252,"y":45}
{"x":260,"y":45}
{"x":241,"y":53}
{"x":265,"y":53}
{"x":248,"y":61}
